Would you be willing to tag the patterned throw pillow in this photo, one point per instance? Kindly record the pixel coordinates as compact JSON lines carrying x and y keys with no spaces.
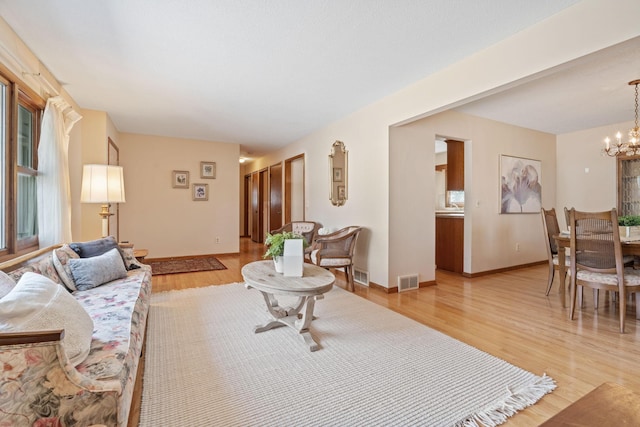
{"x":6,"y":284}
{"x":61,"y":257}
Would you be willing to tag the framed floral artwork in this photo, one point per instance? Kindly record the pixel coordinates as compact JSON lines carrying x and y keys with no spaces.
{"x":180,"y":179}
{"x":520,"y":185}
{"x":208,"y":170}
{"x":200,"y":192}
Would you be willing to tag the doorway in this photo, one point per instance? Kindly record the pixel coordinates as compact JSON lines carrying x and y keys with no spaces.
{"x":267,"y":206}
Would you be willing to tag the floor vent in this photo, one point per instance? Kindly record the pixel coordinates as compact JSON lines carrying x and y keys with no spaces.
{"x":361,"y":276}
{"x":408,"y":282}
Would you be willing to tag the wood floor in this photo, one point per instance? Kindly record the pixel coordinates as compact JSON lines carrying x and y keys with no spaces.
{"x":506,"y":315}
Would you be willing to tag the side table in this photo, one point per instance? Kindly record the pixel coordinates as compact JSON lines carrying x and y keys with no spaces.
{"x":140,"y":254}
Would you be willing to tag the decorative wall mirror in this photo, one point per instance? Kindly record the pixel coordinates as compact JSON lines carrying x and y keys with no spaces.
{"x":338,"y":176}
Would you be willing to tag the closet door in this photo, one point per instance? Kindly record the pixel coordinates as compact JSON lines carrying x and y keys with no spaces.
{"x":275,"y":197}
{"x":256,"y":211}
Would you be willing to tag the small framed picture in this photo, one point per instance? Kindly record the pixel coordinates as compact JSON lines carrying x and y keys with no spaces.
{"x":337,"y":174}
{"x":180,"y":179}
{"x":208,"y":170}
{"x":200,"y":192}
{"x":342,"y":192}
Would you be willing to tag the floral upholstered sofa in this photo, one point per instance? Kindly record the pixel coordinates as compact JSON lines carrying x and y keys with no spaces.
{"x":72,"y":326}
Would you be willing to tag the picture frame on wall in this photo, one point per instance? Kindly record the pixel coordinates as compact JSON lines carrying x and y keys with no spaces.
{"x":337,"y":174}
{"x":200,"y":192}
{"x":180,"y":179}
{"x":520,"y":185}
{"x":208,"y":170}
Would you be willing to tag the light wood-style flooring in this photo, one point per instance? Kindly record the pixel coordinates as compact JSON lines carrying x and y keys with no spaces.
{"x":504,"y":314}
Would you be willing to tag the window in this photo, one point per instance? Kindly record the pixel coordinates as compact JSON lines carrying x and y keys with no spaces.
{"x":20,"y":118}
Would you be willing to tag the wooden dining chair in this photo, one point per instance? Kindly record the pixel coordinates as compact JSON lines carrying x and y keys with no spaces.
{"x":551,"y":228}
{"x":566,"y":216}
{"x":597,"y":261}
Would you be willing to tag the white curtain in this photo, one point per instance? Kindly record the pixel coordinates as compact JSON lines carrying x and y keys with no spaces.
{"x":54,"y":194}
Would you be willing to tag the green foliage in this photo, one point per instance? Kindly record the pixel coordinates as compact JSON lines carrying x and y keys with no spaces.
{"x":629,"y":220}
{"x":275,"y":243}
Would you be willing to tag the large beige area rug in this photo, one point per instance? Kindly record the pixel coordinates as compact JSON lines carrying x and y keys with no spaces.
{"x":206,"y":367}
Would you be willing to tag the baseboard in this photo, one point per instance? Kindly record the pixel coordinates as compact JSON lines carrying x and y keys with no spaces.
{"x":394,"y":289}
{"x":502,"y":270}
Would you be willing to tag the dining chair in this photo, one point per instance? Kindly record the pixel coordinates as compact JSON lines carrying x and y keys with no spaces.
{"x":551,"y":228}
{"x":307,"y":229}
{"x":597,"y":261}
{"x":566,"y":216}
{"x":336,"y":250}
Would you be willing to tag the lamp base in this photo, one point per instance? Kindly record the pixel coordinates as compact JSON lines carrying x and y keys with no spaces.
{"x":105,"y":214}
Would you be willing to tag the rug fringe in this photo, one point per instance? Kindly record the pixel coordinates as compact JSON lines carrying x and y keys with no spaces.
{"x":513,"y":403}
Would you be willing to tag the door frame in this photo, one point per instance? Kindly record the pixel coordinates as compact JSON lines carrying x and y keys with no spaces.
{"x":288,"y":186}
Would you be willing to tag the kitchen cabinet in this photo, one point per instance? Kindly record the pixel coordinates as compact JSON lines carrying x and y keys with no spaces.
{"x":450,"y":242}
{"x":455,"y":165}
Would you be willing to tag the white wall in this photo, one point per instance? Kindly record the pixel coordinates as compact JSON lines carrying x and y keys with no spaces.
{"x":165,"y":220}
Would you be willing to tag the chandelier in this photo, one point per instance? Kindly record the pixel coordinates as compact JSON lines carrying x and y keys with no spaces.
{"x":630,"y":147}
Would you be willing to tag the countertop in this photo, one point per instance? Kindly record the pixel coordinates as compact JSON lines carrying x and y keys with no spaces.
{"x":450,"y":213}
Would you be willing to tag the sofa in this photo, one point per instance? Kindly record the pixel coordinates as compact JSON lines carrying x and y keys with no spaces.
{"x":72,"y":327}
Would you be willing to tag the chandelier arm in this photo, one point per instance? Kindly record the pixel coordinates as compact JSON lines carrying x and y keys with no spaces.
{"x":632,"y":146}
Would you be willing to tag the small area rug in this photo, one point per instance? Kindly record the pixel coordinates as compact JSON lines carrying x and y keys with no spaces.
{"x":204,"y":366}
{"x":185,"y":265}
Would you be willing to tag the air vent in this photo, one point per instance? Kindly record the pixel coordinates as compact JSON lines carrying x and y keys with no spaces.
{"x":361,"y":276}
{"x":408,"y":282}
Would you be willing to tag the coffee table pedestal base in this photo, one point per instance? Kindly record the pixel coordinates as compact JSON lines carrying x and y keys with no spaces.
{"x":298,"y":318}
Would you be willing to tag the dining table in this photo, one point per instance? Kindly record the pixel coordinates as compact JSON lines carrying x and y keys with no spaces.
{"x":563,"y":240}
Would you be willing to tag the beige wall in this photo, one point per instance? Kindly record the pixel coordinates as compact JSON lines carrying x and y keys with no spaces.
{"x":490,"y":238}
{"x":366,"y":134}
{"x":592,"y":190}
{"x":94,"y":151}
{"x":165,"y":220}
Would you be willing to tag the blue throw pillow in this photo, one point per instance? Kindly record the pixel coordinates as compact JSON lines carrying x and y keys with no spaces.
{"x":98,"y":247}
{"x":94,"y":247}
{"x":92,"y":272}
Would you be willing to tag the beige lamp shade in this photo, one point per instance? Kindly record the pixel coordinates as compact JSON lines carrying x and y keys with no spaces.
{"x":102,"y":184}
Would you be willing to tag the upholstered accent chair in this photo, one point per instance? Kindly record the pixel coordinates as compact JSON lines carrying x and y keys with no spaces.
{"x":336,"y":250}
{"x":307,"y":229}
{"x":551,"y":228}
{"x":597,"y":261}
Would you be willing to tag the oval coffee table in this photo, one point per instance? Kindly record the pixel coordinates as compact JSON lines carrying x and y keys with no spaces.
{"x":315,"y":281}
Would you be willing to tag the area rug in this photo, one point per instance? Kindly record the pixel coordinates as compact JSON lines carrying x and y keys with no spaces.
{"x":185,"y":265}
{"x":205,"y":366}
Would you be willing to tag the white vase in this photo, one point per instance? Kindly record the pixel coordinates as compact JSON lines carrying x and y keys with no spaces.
{"x":278,"y":262}
{"x":629,"y":231}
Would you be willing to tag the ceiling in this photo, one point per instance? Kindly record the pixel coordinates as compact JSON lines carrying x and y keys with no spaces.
{"x":265,"y":74}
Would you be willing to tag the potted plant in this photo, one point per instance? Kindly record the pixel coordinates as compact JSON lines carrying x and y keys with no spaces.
{"x":629,"y":225}
{"x":275,"y":247}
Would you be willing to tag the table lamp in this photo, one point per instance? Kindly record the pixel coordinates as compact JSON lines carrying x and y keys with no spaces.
{"x":102,"y":184}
